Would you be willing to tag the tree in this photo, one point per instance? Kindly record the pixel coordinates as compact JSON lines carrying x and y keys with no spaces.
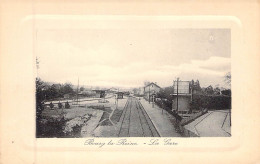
{"x":195,"y":86}
{"x":216,"y":91}
{"x":161,"y":94}
{"x":226,"y":92}
{"x":68,"y":88}
{"x":209,"y":90}
{"x":165,"y":93}
{"x":39,"y":99}
{"x":53,"y":92}
{"x":197,"y":83}
{"x":81,"y":88}
{"x":228,"y":78}
{"x":40,"y":93}
{"x":192,"y":83}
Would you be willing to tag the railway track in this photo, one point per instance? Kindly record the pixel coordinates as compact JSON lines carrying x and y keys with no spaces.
{"x":135,"y":121}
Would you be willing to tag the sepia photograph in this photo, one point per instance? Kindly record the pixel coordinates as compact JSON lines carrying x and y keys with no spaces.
{"x":129,"y":82}
{"x":173,"y":82}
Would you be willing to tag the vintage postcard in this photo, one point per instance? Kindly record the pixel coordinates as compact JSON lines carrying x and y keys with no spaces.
{"x":94,"y":87}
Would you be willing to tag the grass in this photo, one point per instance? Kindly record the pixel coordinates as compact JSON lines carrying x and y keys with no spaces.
{"x":105,"y":116}
{"x":106,"y":122}
{"x":116,"y":115}
{"x":101,"y":107}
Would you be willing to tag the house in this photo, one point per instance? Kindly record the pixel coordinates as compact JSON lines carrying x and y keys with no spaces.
{"x":112,"y":90}
{"x":150,"y":90}
{"x":100,"y":93}
{"x":127,"y":93}
{"x":120,"y":95}
{"x":88,"y":93}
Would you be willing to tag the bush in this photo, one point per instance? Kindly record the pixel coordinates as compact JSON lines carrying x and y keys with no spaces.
{"x":67,"y":105}
{"x":217,"y":102}
{"x":164,"y":103}
{"x":50,"y":128}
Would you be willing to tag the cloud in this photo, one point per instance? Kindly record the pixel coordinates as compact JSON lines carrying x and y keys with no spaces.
{"x":214,"y":63}
{"x":115,"y":60}
{"x":209,"y":72}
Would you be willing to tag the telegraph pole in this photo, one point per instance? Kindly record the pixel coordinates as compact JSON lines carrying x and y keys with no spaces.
{"x":117,"y":98}
{"x":153,"y":100}
{"x":77,"y":92}
{"x":177,"y":94}
{"x":149,"y":94}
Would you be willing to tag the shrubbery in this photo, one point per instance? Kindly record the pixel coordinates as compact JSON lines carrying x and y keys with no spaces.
{"x":48,"y":127}
{"x":210,"y":102}
{"x":203,"y":98}
{"x":164,"y":103}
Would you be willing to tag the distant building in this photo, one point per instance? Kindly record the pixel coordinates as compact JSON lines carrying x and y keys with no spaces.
{"x":100,"y":93}
{"x":127,"y":93}
{"x":87,"y":93}
{"x":113,"y":90}
{"x":120,"y":95}
{"x":151,"y":89}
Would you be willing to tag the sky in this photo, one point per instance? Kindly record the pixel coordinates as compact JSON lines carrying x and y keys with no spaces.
{"x":128,"y":57}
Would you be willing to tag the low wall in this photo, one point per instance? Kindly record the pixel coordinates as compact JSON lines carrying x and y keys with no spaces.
{"x":192,"y":118}
{"x":187,"y":133}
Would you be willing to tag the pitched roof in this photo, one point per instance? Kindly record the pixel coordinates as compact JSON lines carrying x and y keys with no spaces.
{"x":153,"y":84}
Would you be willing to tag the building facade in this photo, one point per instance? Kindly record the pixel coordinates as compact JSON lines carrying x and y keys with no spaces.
{"x":150,"y":90}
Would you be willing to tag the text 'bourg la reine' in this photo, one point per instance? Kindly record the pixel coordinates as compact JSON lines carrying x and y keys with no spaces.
{"x":128,"y":142}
